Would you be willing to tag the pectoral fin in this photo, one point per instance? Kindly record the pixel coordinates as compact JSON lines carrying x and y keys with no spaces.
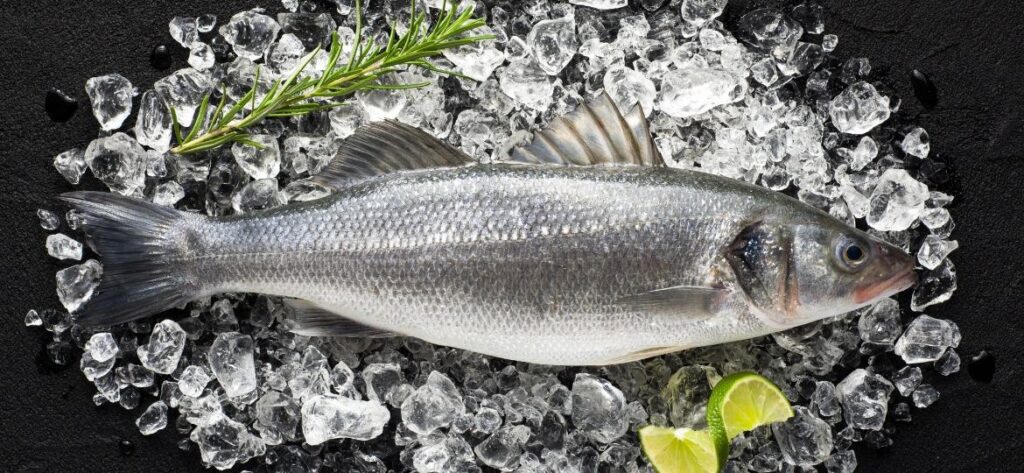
{"x":694,"y":302}
{"x":314,"y":321}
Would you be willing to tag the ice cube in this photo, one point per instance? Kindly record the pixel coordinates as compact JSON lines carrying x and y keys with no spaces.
{"x":47,"y":219}
{"x":346,"y":119}
{"x":804,"y":439}
{"x":312,"y":376}
{"x":285,"y":55}
{"x":935,"y":286}
{"x":771,"y":31}
{"x":193,"y":381}
{"x":948,"y":363}
{"x":553,"y":43}
{"x":224,"y":442}
{"x":328,"y":417}
{"x":526,"y":82}
{"x":70,"y":164}
{"x":184,"y":30}
{"x":93,"y":368}
{"x":829,"y":42}
{"x":880,"y":323}
{"x":858,"y":109}
{"x":312,"y":29}
{"x":865,"y":398}
{"x":926,"y":339}
{"x":686,"y":393}
{"x":598,"y":408}
{"x":627,"y":88}
{"x":63,"y":247}
{"x":184,"y":90}
{"x":925,"y":395}
{"x":765,"y":72}
{"x":168,"y":194}
{"x":102,"y":346}
{"x":844,"y":461}
{"x":277,"y":417}
{"x":153,"y":419}
{"x":476,"y":60}
{"x":250,"y":33}
{"x":260,"y":163}
{"x":907,"y":379}
{"x":701,"y":12}
{"x":76,"y":284}
{"x":138,"y":375}
{"x":206,"y":22}
{"x":694,"y":90}
{"x":231,"y":358}
{"x":111,"y":98}
{"x":383,"y":104}
{"x":382,"y":379}
{"x":342,"y":377}
{"x":32,"y":319}
{"x":433,"y":405}
{"x":824,"y":398}
{"x":600,"y":4}
{"x":201,"y":56}
{"x":933,"y":250}
{"x":164,"y":349}
{"x":897,"y":201}
{"x":153,"y":123}
{"x":503,"y":449}
{"x":257,"y":195}
{"x":916,"y":143}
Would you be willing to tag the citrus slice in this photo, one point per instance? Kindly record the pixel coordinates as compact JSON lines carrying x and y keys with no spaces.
{"x":679,"y":450}
{"x":742,"y":402}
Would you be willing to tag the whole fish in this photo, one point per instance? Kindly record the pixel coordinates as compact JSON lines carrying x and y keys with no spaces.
{"x":582,"y":249}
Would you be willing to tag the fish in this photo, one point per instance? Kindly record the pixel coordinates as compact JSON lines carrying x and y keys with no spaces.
{"x":582,"y":247}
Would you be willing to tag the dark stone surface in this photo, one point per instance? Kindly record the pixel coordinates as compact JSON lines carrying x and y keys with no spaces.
{"x":970,"y":50}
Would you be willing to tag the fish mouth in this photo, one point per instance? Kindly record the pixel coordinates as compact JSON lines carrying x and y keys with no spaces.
{"x":894,"y":284}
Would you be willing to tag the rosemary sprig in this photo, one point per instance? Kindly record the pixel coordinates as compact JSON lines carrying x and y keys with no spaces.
{"x":295,"y":95}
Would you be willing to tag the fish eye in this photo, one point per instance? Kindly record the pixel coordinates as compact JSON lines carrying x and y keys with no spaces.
{"x":851,"y":252}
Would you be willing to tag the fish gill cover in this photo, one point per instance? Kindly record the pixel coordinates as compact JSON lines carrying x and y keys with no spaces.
{"x":765,"y":98}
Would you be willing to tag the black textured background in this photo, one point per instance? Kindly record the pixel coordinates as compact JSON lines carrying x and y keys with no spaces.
{"x":971,"y":49}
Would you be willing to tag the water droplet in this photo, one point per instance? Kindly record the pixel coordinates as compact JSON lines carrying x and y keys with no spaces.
{"x":161,"y":57}
{"x":982,"y":367}
{"x":127,"y":447}
{"x":924,"y":89}
{"x":60,"y":106}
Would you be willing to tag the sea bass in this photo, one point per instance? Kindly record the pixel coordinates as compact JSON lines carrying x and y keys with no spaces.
{"x":582,"y":249}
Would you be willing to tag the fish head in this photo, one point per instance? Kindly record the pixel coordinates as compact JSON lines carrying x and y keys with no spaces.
{"x":795,"y":273}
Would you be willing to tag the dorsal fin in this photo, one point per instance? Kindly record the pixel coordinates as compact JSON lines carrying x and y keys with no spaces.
{"x":595,"y":133}
{"x":385,"y":147}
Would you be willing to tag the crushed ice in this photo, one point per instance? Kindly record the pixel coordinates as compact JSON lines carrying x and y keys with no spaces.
{"x":767,"y":102}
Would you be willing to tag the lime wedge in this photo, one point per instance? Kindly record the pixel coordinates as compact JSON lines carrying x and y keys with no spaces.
{"x":679,"y":450}
{"x":742,"y":402}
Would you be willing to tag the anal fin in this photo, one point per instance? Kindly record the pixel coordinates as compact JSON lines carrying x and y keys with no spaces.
{"x":314,"y":321}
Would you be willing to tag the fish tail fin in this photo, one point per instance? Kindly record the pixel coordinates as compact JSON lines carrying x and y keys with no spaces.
{"x":140,"y":245}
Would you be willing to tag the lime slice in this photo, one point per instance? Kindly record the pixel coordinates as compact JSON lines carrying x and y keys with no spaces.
{"x":742,"y":402}
{"x":679,"y":450}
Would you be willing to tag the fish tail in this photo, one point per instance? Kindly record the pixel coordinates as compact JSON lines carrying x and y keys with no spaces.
{"x":141,"y":246}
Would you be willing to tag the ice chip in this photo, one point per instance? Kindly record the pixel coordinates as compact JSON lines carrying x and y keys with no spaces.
{"x":829,"y":42}
{"x":118,"y":161}
{"x":553,"y":43}
{"x":102,"y":346}
{"x":111,"y":99}
{"x":598,"y":408}
{"x":934,"y":286}
{"x":312,"y":29}
{"x":600,"y":4}
{"x":771,"y":31}
{"x":948,"y":363}
{"x":926,"y":339}
{"x":701,"y":12}
{"x":346,"y":119}
{"x":627,"y":88}
{"x":382,"y":379}
{"x":844,"y":461}
{"x":934,"y":250}
{"x":164,"y":349}
{"x":342,"y":377}
{"x":765,"y":72}
{"x":93,"y":368}
{"x":503,"y":449}
{"x":257,"y":195}
{"x":184,"y":30}
{"x":858,"y":109}
{"x":326,"y":417}
{"x":76,"y":284}
{"x":804,"y":439}
{"x":63,"y":247}
{"x":153,"y":123}
{"x":865,"y":398}
{"x":260,"y":163}
{"x":231,"y":358}
{"x":250,"y":33}
{"x":825,"y":400}
{"x":184,"y":90}
{"x":193,"y":381}
{"x":686,"y":393}
{"x":224,"y":442}
{"x":526,"y":82}
{"x":924,"y":396}
{"x":880,"y":323}
{"x":907,"y":379}
{"x":206,"y":22}
{"x":433,"y":405}
{"x":32,"y":319}
{"x":277,"y":417}
{"x":694,"y":90}
{"x":476,"y":60}
{"x":71,"y":164}
{"x":47,"y":219}
{"x":285,"y":55}
{"x":916,"y":143}
{"x":168,"y":194}
{"x":897,"y":201}
{"x":153,"y":419}
{"x":201,"y":56}
{"x":383,"y":104}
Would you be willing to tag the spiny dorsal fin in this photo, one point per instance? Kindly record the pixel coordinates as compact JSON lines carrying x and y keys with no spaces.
{"x":314,"y":321}
{"x":385,"y":147}
{"x":595,"y":133}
